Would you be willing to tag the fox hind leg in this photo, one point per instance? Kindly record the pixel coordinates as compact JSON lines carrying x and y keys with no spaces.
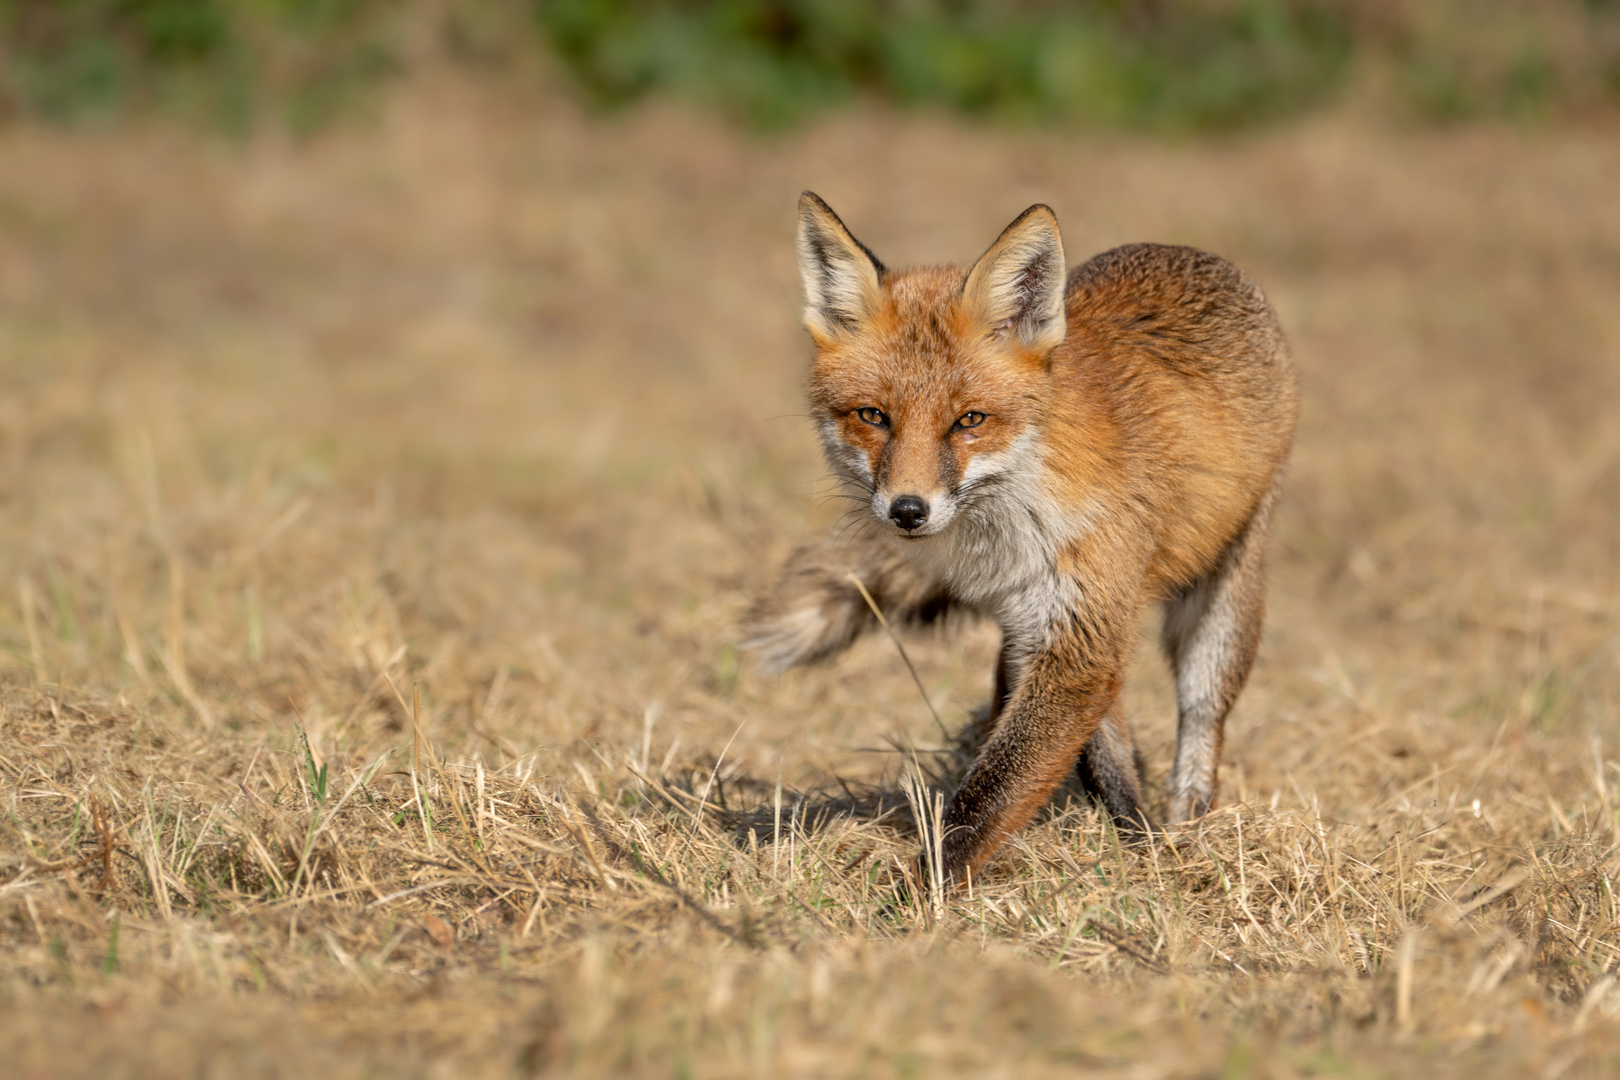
{"x":1110,"y":771}
{"x":1211,"y":631}
{"x":982,"y":721}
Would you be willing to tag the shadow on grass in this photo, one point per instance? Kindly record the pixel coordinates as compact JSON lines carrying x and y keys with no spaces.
{"x":773,"y":811}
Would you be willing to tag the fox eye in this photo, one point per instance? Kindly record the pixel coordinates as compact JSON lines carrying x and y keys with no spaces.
{"x":873,"y":416}
{"x":967,"y":420}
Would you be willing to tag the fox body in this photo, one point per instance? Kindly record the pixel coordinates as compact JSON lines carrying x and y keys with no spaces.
{"x":1053,"y":450}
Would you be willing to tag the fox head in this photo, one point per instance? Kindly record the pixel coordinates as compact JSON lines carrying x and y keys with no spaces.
{"x":928,"y":383}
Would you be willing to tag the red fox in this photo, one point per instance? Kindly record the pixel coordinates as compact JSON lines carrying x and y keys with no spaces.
{"x":1052,"y":450}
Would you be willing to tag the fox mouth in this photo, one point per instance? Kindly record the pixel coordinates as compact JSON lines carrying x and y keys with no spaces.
{"x":926,"y":532}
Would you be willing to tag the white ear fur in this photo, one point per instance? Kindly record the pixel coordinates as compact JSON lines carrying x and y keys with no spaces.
{"x":1018,"y":284}
{"x":841,"y":277}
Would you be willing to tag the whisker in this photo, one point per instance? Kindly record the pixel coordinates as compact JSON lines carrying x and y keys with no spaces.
{"x":858,"y":524}
{"x":849,"y":479}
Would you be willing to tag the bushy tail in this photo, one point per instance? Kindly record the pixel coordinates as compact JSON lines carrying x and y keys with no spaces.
{"x":814,"y":609}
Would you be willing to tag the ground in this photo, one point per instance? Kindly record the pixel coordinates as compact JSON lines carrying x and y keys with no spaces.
{"x":379,"y":510}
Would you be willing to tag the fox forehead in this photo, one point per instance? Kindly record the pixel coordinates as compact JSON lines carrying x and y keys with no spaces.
{"x":918,"y":350}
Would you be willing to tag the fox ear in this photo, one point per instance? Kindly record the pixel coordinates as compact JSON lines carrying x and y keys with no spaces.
{"x":1018,"y":284}
{"x":841,"y":277}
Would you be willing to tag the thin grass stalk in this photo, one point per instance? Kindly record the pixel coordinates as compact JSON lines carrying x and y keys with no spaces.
{"x":915,"y":678}
{"x":25,"y":600}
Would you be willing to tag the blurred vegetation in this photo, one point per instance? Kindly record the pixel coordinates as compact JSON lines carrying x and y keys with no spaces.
{"x":223,"y":61}
{"x":1146,"y":64}
{"x":1153,"y":64}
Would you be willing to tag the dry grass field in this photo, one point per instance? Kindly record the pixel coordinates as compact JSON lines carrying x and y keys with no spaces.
{"x":376,"y":514}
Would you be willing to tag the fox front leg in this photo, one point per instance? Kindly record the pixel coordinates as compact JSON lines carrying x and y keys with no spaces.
{"x":815,"y":610}
{"x":1062,"y":696}
{"x":1110,"y":767}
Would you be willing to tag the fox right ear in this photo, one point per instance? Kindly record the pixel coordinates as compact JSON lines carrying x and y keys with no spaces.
{"x":1017,"y":286}
{"x":842,"y":278}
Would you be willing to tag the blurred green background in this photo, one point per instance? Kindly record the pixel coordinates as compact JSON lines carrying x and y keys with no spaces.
{"x":1156,"y":65}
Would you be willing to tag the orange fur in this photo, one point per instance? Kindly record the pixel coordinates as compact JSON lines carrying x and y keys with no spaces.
{"x":1053,"y":451}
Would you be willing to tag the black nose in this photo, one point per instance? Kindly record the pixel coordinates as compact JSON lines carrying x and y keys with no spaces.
{"x":908,"y":512}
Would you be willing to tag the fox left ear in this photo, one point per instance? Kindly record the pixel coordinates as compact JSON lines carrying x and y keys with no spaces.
{"x":842,"y":278}
{"x":1018,"y":284}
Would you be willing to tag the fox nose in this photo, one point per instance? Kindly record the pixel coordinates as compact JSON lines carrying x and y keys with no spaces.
{"x":908,"y":512}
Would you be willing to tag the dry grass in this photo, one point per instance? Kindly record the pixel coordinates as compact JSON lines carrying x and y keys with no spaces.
{"x":457,"y":444}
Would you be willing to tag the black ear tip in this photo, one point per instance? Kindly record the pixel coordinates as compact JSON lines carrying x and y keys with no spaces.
{"x":1039,"y":210}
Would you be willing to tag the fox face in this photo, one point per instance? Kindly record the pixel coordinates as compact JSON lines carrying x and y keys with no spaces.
{"x":928,"y":384}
